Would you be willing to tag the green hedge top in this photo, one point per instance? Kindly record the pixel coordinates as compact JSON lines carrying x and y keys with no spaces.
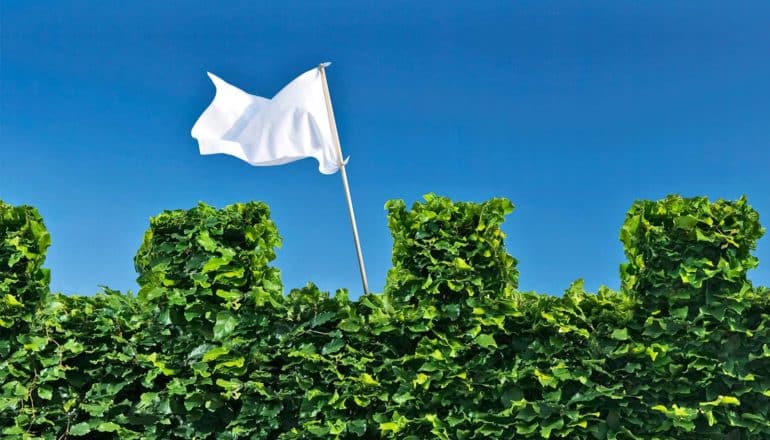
{"x":679,"y":243}
{"x":211,"y":348}
{"x":450,"y":250}
{"x":196,"y":263}
{"x":23,"y":281}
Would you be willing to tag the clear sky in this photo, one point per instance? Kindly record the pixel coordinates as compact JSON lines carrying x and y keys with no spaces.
{"x":571,"y":111}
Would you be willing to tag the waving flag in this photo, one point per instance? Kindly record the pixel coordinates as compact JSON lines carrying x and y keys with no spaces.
{"x":293,"y":125}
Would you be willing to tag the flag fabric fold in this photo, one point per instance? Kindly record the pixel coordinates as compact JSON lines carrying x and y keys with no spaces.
{"x":293,"y":125}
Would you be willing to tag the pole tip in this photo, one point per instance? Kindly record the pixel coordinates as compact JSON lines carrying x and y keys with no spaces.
{"x":325,"y":64}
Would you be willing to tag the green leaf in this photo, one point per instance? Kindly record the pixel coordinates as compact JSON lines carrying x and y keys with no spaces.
{"x":215,"y":353}
{"x":486,"y":340}
{"x":36,"y":343}
{"x":461,"y":264}
{"x":11,"y":300}
{"x":215,"y":263}
{"x":224,"y":326}
{"x":545,"y":379}
{"x":349,"y":325}
{"x":620,"y":334}
{"x":45,"y":392}
{"x":333,"y":346}
{"x":722,"y":401}
{"x":686,"y":222}
{"x":108,"y":427}
{"x":205,"y":241}
{"x":390,"y":427}
{"x":228,"y":295}
{"x":79,"y":429}
{"x":680,"y":313}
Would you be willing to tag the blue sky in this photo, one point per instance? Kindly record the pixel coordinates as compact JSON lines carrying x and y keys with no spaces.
{"x":571,"y":111}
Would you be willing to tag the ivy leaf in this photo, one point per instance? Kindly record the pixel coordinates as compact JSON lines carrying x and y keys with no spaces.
{"x":36,"y":343}
{"x":45,"y":392}
{"x":215,"y":353}
{"x":79,"y":429}
{"x":722,"y":400}
{"x":486,"y":340}
{"x":108,"y":427}
{"x":224,"y":326}
{"x":333,"y":346}
{"x":462,"y":264}
{"x":12,"y":301}
{"x":620,"y":334}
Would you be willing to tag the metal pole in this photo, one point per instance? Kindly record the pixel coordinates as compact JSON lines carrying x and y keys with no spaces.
{"x":335,"y":135}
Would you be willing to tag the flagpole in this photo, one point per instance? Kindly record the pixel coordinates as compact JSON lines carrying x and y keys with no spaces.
{"x":336,"y":137}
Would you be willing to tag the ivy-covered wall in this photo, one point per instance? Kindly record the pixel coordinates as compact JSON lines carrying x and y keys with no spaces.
{"x":212,"y":348}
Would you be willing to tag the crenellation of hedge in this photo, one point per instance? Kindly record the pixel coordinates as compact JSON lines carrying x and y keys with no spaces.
{"x":690,"y":247}
{"x":449,"y":250}
{"x":212,"y":348}
{"x":24,"y":283}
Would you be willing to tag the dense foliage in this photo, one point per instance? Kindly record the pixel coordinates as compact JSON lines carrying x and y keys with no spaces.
{"x":212,"y":348}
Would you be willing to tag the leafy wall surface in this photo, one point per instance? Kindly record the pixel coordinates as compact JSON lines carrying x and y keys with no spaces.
{"x":212,"y":348}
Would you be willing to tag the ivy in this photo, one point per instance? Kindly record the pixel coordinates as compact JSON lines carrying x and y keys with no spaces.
{"x":211,"y":347}
{"x":24,"y":283}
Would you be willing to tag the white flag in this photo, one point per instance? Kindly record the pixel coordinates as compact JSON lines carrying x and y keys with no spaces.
{"x":293,"y":125}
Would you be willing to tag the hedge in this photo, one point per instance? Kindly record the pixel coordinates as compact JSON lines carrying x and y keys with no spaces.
{"x":212,"y":348}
